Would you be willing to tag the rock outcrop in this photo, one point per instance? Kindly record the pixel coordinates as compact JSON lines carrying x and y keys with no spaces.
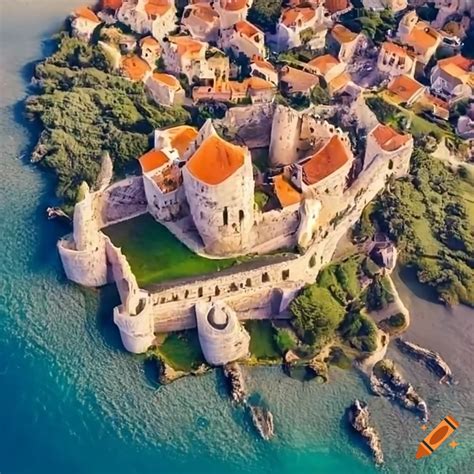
{"x":359,"y":420}
{"x":167,"y":375}
{"x":431,"y":359}
{"x":386,"y":381}
{"x":235,"y":377}
{"x":263,"y":420}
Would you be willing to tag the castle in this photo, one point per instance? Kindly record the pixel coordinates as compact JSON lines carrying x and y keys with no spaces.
{"x":201,"y":186}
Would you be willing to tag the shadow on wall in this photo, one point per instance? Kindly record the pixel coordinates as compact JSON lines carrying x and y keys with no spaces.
{"x":108,"y":300}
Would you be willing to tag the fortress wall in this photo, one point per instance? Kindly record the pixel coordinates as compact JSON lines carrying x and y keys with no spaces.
{"x":276,"y":229}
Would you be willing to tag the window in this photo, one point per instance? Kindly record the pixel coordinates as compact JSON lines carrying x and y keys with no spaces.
{"x":265,"y":278}
{"x":285,"y":274}
{"x":200,"y":292}
{"x":241,"y":216}
{"x":248,"y":282}
{"x":225,"y":216}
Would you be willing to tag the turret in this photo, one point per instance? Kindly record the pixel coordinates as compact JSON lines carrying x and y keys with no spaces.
{"x":285,"y":136}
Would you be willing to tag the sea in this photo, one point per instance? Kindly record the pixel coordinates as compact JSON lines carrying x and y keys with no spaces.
{"x":73,"y":401}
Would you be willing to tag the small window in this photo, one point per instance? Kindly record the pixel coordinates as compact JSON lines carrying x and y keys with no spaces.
{"x":225,"y":216}
{"x":285,"y":274}
{"x":200,"y":292}
{"x":265,"y":278}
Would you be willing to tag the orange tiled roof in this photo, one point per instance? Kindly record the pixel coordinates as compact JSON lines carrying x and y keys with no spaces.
{"x":422,"y":36}
{"x":152,"y":160}
{"x":205,"y":12}
{"x":112,"y":4}
{"x":291,"y":15}
{"x":300,"y":81}
{"x":246,"y":28}
{"x":134,"y":67}
{"x":404,"y":87}
{"x":233,"y":5}
{"x":257,"y":83}
{"x":149,"y":41}
{"x":216,"y":160}
{"x":388,"y":139}
{"x":334,"y":6}
{"x":157,"y":7}
{"x":285,"y":192}
{"x":393,"y":48}
{"x":343,"y":34}
{"x":324,"y":63}
{"x":167,"y":79}
{"x":456,"y":66}
{"x":264,"y":64}
{"x":339,"y":82}
{"x":181,"y":137}
{"x":87,"y":13}
{"x":187,"y":46}
{"x":325,"y":161}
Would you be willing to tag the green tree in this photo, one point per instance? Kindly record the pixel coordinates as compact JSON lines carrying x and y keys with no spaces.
{"x":265,"y":14}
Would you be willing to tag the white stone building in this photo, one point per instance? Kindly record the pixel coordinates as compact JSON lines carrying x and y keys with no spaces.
{"x":222,"y":337}
{"x":264,"y":69}
{"x":343,"y":42}
{"x":394,"y":60}
{"x":245,"y":38}
{"x":164,"y":89}
{"x":201,"y":21}
{"x":231,"y":11}
{"x":150,"y":50}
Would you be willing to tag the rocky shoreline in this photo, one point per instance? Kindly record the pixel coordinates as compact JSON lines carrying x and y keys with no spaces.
{"x":359,"y":419}
{"x":386,"y":381}
{"x":431,"y":359}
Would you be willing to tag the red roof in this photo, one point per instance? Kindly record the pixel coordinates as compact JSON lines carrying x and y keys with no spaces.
{"x":152,"y":160}
{"x":388,"y":139}
{"x":334,"y":6}
{"x":325,"y":161}
{"x":87,"y":13}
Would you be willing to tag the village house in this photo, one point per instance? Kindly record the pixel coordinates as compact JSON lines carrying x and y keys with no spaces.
{"x":108,"y":10}
{"x":201,"y":21}
{"x":394,"y":60}
{"x":452,"y":78}
{"x":135,"y":68}
{"x":465,"y":126}
{"x":164,"y":89}
{"x":342,"y":42}
{"x":298,"y":25}
{"x":435,"y":105}
{"x":127,"y":44}
{"x":405,"y":90}
{"x":157,"y":17}
{"x":231,"y":11}
{"x":337,"y":7}
{"x":326,"y":170}
{"x":418,"y":35}
{"x":150,"y":50}
{"x":294,"y":80}
{"x":331,"y":70}
{"x":84,"y":22}
{"x":179,"y":139}
{"x":264,"y":69}
{"x":245,"y":38}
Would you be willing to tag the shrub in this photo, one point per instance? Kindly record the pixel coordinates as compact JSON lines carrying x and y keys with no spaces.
{"x":360,"y":331}
{"x":397,"y":320}
{"x":285,"y":340}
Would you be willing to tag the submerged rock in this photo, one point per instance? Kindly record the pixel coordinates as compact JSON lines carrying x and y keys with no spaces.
{"x":319,"y":368}
{"x":432,"y":359}
{"x":235,"y":377}
{"x":167,"y":374}
{"x":386,"y":381}
{"x":263,"y":420}
{"x":359,"y":419}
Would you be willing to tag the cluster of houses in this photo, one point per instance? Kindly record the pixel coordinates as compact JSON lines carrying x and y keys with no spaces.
{"x":198,"y":54}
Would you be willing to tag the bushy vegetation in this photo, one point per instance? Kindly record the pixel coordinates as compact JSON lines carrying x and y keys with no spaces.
{"x":431,"y":217}
{"x":265,"y":14}
{"x":378,"y":295}
{"x":182,"y":351}
{"x":397,"y":320}
{"x":86,"y":110}
{"x":285,"y":340}
{"x":263,"y":344}
{"x":374,"y":24}
{"x":260,"y":199}
{"x":320,"y":96}
{"x":360,"y":331}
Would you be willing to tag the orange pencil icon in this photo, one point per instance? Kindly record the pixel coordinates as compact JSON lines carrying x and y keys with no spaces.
{"x":437,"y":437}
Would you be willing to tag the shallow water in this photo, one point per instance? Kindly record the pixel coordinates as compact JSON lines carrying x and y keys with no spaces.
{"x":71,"y":400}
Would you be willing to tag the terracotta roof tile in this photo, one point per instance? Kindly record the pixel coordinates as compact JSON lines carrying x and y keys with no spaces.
{"x":393,"y":48}
{"x":152,"y":160}
{"x":157,"y":7}
{"x":167,"y":79}
{"x":324,"y":63}
{"x":216,"y":160}
{"x":134,"y":67}
{"x":342,"y":34}
{"x":233,"y":5}
{"x":339,"y":82}
{"x":257,"y":83}
{"x":422,"y":36}
{"x":298,"y":81}
{"x":332,"y":155}
{"x":204,"y":12}
{"x":181,"y":137}
{"x":112,"y":4}
{"x":261,"y":63}
{"x":457,"y":66}
{"x":291,"y":16}
{"x":334,"y":6}
{"x":149,"y":41}
{"x":187,"y":46}
{"x":285,"y":192}
{"x":87,"y":13}
{"x":247,"y":29}
{"x":388,"y":139}
{"x":404,"y":87}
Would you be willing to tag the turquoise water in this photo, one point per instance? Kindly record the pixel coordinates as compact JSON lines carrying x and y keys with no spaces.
{"x":71,"y":400}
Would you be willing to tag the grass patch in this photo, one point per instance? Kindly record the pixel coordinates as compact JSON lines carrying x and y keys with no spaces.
{"x":182,"y":351}
{"x":156,"y":255}
{"x":260,"y":199}
{"x":262,"y":340}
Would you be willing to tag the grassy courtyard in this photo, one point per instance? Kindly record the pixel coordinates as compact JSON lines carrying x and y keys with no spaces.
{"x":156,"y":255}
{"x":181,"y":350}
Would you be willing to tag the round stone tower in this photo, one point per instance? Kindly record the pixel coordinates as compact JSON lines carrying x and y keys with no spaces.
{"x":285,"y":136}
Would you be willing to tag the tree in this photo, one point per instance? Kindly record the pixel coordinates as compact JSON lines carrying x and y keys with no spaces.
{"x":265,"y":14}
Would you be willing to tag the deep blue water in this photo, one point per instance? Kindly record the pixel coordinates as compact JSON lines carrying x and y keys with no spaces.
{"x":71,"y":400}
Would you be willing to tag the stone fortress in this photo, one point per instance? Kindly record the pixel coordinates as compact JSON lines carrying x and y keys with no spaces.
{"x":201,"y":186}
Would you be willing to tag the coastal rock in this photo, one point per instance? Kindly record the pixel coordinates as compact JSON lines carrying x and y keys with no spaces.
{"x":319,"y":368}
{"x":359,"y":420}
{"x":431,"y":359}
{"x":263,"y":420}
{"x":386,"y":381}
{"x":291,"y":357}
{"x":235,"y":377}
{"x":167,"y":374}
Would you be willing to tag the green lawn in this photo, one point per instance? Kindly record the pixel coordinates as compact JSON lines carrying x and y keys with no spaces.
{"x":262,"y":341}
{"x":182,"y":351}
{"x":156,"y":255}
